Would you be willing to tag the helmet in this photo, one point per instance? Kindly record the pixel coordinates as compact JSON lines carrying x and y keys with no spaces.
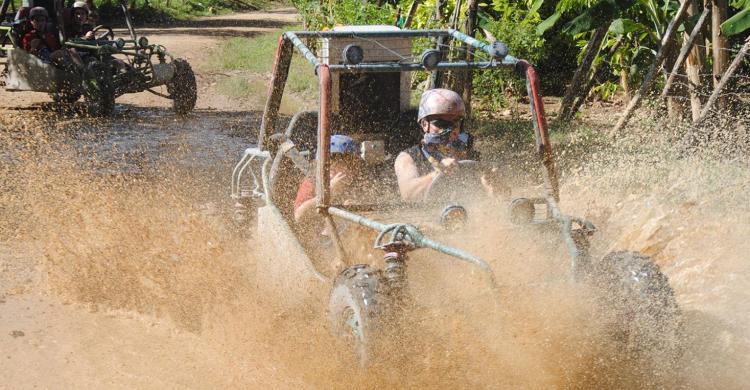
{"x":81,"y":5}
{"x":440,"y":101}
{"x":38,"y":11}
{"x":341,"y":144}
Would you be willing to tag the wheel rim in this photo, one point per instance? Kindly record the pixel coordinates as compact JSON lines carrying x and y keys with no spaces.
{"x":350,"y":329}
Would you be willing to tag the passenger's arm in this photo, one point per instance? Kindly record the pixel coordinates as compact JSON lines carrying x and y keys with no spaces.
{"x":410,"y":184}
{"x":305,"y":210}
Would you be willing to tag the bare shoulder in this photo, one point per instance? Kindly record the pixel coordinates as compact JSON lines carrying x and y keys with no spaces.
{"x":404,"y":165}
{"x":403,"y":160}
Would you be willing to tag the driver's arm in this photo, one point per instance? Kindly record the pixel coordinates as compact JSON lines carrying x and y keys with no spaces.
{"x":410,"y":184}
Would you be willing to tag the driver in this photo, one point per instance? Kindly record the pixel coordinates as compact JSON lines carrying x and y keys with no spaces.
{"x":80,"y":28}
{"x":39,"y":41}
{"x":441,"y":112}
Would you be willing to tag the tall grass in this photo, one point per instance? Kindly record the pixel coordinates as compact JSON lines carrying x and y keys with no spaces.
{"x":256,"y":56}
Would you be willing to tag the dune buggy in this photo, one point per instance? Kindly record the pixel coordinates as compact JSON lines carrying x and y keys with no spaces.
{"x":100,"y":70}
{"x":365,"y":78}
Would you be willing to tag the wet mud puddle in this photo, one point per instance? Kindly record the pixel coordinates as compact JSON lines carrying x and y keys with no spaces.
{"x":114,"y":275}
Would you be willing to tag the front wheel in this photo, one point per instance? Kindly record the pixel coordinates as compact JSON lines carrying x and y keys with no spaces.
{"x":646,"y":317}
{"x":183,"y":87}
{"x":98,"y":89}
{"x":355,"y":310}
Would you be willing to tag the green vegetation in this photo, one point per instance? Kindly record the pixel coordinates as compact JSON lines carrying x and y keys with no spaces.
{"x":622,"y":36}
{"x":165,"y":10}
{"x":256,"y":56}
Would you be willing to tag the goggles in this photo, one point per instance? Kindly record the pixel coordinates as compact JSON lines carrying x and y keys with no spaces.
{"x":442,"y":123}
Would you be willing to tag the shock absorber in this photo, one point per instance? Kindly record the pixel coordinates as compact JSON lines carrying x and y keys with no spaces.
{"x":395,"y":273}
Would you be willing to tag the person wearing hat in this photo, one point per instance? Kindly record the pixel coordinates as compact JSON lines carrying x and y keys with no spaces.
{"x":443,"y":145}
{"x":80,"y":27}
{"x":39,"y":41}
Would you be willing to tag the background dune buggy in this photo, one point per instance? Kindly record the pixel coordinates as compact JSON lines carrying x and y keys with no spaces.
{"x":364,"y":78}
{"x":109,"y":67}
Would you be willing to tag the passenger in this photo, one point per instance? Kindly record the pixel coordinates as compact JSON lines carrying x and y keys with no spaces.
{"x":80,"y":28}
{"x":39,"y":41}
{"x":344,"y":163}
{"x":346,"y":189}
{"x":443,"y":145}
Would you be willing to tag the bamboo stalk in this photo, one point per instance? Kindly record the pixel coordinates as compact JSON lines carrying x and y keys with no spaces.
{"x":666,"y":45}
{"x":724,"y":80}
{"x":582,"y":72}
{"x":685,"y":51}
{"x":410,"y":15}
{"x":599,"y":72}
{"x":470,"y":29}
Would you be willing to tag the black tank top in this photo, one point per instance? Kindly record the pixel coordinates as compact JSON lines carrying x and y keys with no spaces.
{"x":420,"y":160}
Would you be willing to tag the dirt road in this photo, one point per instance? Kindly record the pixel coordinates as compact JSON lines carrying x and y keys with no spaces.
{"x":118,"y":269}
{"x":48,"y":340}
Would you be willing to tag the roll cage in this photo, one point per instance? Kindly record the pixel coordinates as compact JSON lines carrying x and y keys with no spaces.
{"x":494,"y":59}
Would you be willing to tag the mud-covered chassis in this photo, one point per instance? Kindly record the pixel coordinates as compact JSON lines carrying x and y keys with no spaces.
{"x":113,"y":67}
{"x":362,"y":297}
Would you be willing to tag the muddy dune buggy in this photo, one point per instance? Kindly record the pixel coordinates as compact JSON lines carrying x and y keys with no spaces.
{"x":100,"y":69}
{"x":365,"y":92}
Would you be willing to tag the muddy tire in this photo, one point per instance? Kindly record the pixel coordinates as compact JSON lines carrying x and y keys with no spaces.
{"x":66,"y":97}
{"x":183,"y":88}
{"x":646,"y":318}
{"x":355,"y":310}
{"x":98,"y":89}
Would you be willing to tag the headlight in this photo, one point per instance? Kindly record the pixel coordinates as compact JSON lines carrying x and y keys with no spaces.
{"x":453,"y":217}
{"x":353,"y":55}
{"x":431,"y":58}
{"x":142,"y":42}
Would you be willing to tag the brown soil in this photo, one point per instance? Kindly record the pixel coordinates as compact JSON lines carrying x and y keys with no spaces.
{"x":118,"y":268}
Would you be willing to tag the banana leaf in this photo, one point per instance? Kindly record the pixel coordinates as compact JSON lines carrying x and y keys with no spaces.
{"x":737,"y":23}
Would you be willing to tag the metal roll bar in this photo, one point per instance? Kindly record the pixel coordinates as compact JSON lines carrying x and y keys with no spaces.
{"x":417,"y":240}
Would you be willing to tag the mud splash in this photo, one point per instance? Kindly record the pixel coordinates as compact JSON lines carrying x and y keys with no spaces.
{"x":145,"y":234}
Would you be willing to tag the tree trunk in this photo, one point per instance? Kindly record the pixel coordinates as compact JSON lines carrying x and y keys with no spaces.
{"x":648,"y":80}
{"x":719,"y":42}
{"x":676,"y":106}
{"x":693,"y":58}
{"x":598,"y":74}
{"x":625,"y":82}
{"x":470,"y":29}
{"x":694,"y":67}
{"x":410,"y":15}
{"x":581,"y":75}
{"x":736,"y":63}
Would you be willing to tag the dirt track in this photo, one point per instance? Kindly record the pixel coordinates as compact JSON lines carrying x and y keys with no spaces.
{"x":48,"y":341}
{"x":117,"y":272}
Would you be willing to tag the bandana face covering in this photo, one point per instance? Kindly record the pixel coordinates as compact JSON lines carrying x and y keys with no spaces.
{"x":435,"y":139}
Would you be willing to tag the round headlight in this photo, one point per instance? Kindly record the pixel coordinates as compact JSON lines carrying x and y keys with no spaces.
{"x":143,"y":42}
{"x":353,"y":55}
{"x":119,"y":43}
{"x":499,"y":50}
{"x":431,"y":58}
{"x":522,"y":211}
{"x":453,"y":217}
